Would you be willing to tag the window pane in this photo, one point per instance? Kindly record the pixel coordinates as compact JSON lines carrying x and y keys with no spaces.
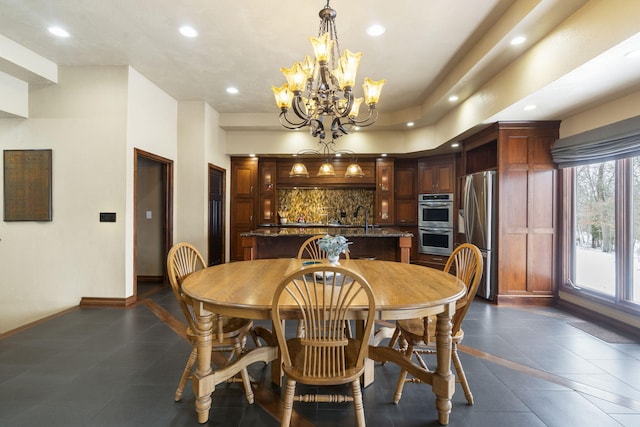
{"x":595,"y":258}
{"x":635,"y":291}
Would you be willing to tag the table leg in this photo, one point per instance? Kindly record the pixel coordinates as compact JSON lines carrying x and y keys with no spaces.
{"x":443,"y":380}
{"x":201,"y":387}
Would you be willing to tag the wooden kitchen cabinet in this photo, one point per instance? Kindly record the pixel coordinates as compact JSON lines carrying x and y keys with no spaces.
{"x":527,"y":205}
{"x":436,"y":175}
{"x":267,"y":205}
{"x":405,"y":195}
{"x":384,"y":191}
{"x":244,"y":185}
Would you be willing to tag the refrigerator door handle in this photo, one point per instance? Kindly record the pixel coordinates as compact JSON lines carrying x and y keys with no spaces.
{"x":467,"y":209}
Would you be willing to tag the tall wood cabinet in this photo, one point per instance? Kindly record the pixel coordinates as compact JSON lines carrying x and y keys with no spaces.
{"x":527,"y":205}
{"x":244,"y":189}
{"x":406,"y":200}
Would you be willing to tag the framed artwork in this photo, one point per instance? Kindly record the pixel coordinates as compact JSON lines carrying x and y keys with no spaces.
{"x":27,"y":185}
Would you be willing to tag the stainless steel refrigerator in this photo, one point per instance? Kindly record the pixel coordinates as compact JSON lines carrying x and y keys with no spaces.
{"x":479,"y":214}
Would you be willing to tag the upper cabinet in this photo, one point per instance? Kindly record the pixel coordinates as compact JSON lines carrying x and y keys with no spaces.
{"x":384,"y":191}
{"x":436,"y":175}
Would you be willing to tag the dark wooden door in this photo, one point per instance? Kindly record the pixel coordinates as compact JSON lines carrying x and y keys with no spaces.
{"x":216,"y":215}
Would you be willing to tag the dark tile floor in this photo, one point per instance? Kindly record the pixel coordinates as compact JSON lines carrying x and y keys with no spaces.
{"x":119,"y":367}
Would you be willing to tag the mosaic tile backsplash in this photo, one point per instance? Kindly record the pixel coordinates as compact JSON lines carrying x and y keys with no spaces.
{"x":325,"y":205}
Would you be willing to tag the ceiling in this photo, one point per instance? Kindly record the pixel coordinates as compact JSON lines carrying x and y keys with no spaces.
{"x":430,"y":50}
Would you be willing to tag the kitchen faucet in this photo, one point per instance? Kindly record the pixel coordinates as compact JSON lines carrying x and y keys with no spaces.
{"x":366,"y":217}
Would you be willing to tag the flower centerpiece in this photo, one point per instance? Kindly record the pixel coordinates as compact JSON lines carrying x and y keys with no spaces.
{"x":334,"y":246}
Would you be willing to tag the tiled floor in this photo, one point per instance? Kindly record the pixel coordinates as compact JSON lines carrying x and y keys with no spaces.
{"x":120,"y":367}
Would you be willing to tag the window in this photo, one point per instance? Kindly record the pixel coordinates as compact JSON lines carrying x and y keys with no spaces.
{"x":605,"y":253}
{"x":635,"y":290}
{"x":595,"y":226}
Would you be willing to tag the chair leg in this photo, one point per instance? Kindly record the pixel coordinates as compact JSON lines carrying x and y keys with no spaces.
{"x":246,"y":382}
{"x":403,"y":376}
{"x":461,"y":376}
{"x":186,"y":374}
{"x":287,"y":404}
{"x":357,"y":403}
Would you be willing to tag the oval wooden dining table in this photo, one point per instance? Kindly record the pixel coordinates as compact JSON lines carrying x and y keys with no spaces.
{"x":245,"y":289}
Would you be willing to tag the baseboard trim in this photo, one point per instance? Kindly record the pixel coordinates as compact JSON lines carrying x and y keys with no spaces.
{"x":107,"y":302}
{"x":529,"y":300}
{"x":150,"y":279}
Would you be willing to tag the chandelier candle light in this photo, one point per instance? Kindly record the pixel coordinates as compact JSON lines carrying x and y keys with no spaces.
{"x":324,"y":87}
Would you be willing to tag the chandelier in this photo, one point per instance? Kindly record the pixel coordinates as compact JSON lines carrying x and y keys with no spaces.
{"x":322,"y":89}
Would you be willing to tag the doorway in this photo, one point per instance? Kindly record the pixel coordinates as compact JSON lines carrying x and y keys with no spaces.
{"x":153,"y":220}
{"x":217,"y":182}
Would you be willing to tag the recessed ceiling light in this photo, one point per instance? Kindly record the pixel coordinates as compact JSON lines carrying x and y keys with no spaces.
{"x":188,"y":31}
{"x":633,"y":54}
{"x":383,"y":155}
{"x":232,"y":90}
{"x":338,"y":154}
{"x":410,"y":124}
{"x":455,"y":145}
{"x":453,"y":98}
{"x":529,"y":107}
{"x":518,"y":40}
{"x":59,"y":31}
{"x":252,"y":155}
{"x":356,"y":128}
{"x":376,"y":30}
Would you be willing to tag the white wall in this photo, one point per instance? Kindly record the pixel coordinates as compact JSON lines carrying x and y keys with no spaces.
{"x":191,"y":175}
{"x":216,"y":144}
{"x":92,"y":120}
{"x":151,"y":126}
{"x":200,"y":142}
{"x":47,"y":267}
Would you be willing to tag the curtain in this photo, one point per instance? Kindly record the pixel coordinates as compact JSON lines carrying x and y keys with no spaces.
{"x":615,"y":141}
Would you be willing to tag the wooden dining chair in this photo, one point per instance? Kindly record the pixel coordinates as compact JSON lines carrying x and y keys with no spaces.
{"x":324,"y":297}
{"x":311,"y":250}
{"x":229,"y":334}
{"x":466,"y":263}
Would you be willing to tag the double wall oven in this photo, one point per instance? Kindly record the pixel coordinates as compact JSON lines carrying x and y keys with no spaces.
{"x":435,"y":224}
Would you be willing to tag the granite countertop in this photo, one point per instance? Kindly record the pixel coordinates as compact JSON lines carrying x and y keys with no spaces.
{"x":313,"y":229}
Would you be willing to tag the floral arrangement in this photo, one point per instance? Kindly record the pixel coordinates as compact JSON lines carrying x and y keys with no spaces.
{"x":334,"y":245}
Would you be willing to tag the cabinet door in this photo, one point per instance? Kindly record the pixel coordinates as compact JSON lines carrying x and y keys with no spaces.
{"x":267,"y":177}
{"x":244,"y":179}
{"x":267,"y":208}
{"x":406,"y":211}
{"x":267,"y":203}
{"x":244,"y":194}
{"x":444,"y":177}
{"x":426,"y":183}
{"x":405,"y":185}
{"x":384,"y":191}
{"x":436,"y":176}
